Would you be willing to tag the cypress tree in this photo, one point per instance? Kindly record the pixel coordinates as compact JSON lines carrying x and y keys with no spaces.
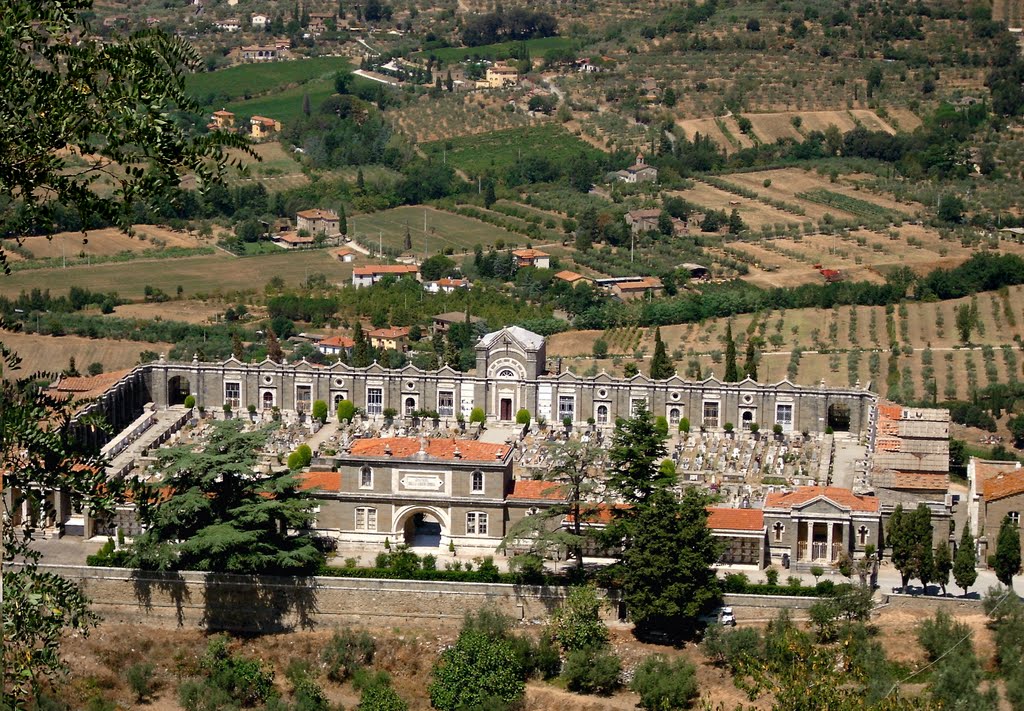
{"x":407,"y":245}
{"x":362,"y":354}
{"x":662,"y":366}
{"x":898,"y":540}
{"x":750,"y":361}
{"x":943,"y":564}
{"x":1006,"y":560}
{"x":731,"y":372}
{"x":305,"y":105}
{"x":274,"y":350}
{"x":965,"y":562}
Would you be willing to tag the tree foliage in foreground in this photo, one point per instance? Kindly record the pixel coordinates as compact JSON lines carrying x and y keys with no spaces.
{"x":210,"y":511}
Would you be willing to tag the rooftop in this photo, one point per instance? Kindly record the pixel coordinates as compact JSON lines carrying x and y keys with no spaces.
{"x":527,"y":339}
{"x":804,"y":494}
{"x":640,"y":283}
{"x":537,"y":490}
{"x":1005,"y":483}
{"x":87,"y":386}
{"x":438,"y":449}
{"x":529,"y":253}
{"x":321,"y":481}
{"x":396,"y":332}
{"x":569,"y":276}
{"x":337,"y":342}
{"x":317,"y":214}
{"x":730,"y":519}
{"x":386,"y":269}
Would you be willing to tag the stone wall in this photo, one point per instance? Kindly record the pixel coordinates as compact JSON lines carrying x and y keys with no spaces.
{"x":241,"y":603}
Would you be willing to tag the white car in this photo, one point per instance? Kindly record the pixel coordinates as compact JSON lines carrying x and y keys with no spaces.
{"x":725,"y":617}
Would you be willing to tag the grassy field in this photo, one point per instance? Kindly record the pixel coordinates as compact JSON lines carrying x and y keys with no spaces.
{"x":444,"y":229}
{"x":203,"y":274}
{"x":107,"y":241}
{"x":251,"y":79}
{"x":286,"y":105}
{"x":501,"y":50}
{"x":500,"y":149}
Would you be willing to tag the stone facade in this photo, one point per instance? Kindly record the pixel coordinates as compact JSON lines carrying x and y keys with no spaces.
{"x":511,"y":373}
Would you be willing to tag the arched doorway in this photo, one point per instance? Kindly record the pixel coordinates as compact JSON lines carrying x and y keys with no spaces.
{"x":422,"y":527}
{"x":178,"y":388}
{"x":839,"y":417}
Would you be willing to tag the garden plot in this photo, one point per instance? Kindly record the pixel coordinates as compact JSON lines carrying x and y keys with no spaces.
{"x":443,"y":230}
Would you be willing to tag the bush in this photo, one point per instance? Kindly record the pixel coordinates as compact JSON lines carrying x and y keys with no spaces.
{"x":600,"y":348}
{"x":347,"y":652}
{"x":346,"y":411}
{"x":241,"y":679}
{"x":684,"y":425}
{"x":664,"y":685}
{"x":590,"y":671}
{"x":477,"y":415}
{"x":577,"y":623}
{"x":190,"y":401}
{"x":320,"y":411}
{"x":732,"y":648}
{"x":478,"y":672}
{"x":523,"y":417}
{"x":300,"y":458}
{"x":140,"y":680}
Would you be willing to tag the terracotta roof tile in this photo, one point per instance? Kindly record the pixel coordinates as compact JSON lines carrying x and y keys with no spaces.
{"x":409,"y":447}
{"x":320,"y":481}
{"x":730,"y":519}
{"x":803,"y":494}
{"x":87,"y":386}
{"x":397,"y":332}
{"x":530,"y":489}
{"x":529,"y":253}
{"x":1003,"y":485}
{"x":337,"y":342}
{"x":386,"y":269}
{"x":318,"y":214}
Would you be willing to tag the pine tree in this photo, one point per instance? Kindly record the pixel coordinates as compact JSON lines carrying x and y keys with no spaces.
{"x":668,"y":580}
{"x":635,"y":456}
{"x":966,"y":561}
{"x":489,"y":197}
{"x":209,"y":511}
{"x":342,"y":220}
{"x":922,"y":556}
{"x":662,"y":366}
{"x":586,"y":229}
{"x":274,"y":350}
{"x":1006,"y":561}
{"x":750,"y":361}
{"x":72,"y":371}
{"x":360,"y":180}
{"x":731,"y":372}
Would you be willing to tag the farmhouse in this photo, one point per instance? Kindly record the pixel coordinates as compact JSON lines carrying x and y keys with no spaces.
{"x":262,"y":127}
{"x":446,"y":285}
{"x":390,"y":339}
{"x":996,"y":490}
{"x":532,"y":258}
{"x":259,"y":20}
{"x":335,"y":345}
{"x":428,"y":492}
{"x":294,"y":240}
{"x":640,"y":221}
{"x":443,"y":322}
{"x":499,"y":76}
{"x":371,"y":274}
{"x":345,"y":254}
{"x":222,"y":121}
{"x":259,"y":53}
{"x":320,"y":22}
{"x":573,"y":278}
{"x":639,"y":172}
{"x":325,"y":222}
{"x":639,"y":288}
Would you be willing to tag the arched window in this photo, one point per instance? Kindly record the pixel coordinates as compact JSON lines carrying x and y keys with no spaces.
{"x":268,"y":400}
{"x":477,"y":482}
{"x":366,"y":478}
{"x":338,"y":397}
{"x":507,"y":373}
{"x":673,"y":416}
{"x":602,"y":414}
{"x":410,"y":406}
{"x":778,"y":529}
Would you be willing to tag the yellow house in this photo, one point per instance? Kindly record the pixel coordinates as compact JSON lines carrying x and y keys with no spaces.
{"x":263,"y":127}
{"x":389,"y":339}
{"x":222,"y":121}
{"x":498,"y":77}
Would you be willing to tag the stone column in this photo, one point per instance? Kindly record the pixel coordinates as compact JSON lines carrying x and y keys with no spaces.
{"x":808,"y":540}
{"x":828,"y":545}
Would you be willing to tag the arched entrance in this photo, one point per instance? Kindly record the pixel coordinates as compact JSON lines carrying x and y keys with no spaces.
{"x":839,"y":417}
{"x":422,"y":527}
{"x":178,"y":388}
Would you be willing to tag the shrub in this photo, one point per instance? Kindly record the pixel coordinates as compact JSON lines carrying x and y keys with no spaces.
{"x":664,"y":685}
{"x":523,"y":417}
{"x":577,"y":623}
{"x":300,"y":458}
{"x":140,"y":680}
{"x":684,"y":425}
{"x":600,"y":348}
{"x":477,"y":415}
{"x":346,"y":411}
{"x":320,"y":411}
{"x":591,"y":671}
{"x":190,"y":401}
{"x":346,"y":652}
{"x":478,"y":672}
{"x":241,"y":679}
{"x":732,"y":648}
{"x":661,"y":425}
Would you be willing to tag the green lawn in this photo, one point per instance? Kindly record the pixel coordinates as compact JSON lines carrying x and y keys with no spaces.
{"x":250,"y":79}
{"x":285,"y":106}
{"x":481,"y":152}
{"x":443,"y":230}
{"x":501,"y":50}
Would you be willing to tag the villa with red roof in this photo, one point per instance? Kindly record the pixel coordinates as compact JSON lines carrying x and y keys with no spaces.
{"x":372,"y":273}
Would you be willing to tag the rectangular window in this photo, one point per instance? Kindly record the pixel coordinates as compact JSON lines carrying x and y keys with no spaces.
{"x":374,"y":401}
{"x":476,"y":524}
{"x":446,"y":403}
{"x":635,"y":403}
{"x":711,"y":414}
{"x":366,"y":519}
{"x":566,"y":407}
{"x":233,"y":394}
{"x":784,"y":414}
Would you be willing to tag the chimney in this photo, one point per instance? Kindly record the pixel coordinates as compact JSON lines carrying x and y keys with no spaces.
{"x":457,"y":454}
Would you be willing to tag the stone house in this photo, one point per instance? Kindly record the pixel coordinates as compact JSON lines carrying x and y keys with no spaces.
{"x":325,"y":222}
{"x":996,"y":490}
{"x":262,"y":128}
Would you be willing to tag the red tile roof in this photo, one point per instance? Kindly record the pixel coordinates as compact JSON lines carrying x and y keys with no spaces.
{"x":317,"y":214}
{"x":408,"y":447}
{"x":337,"y":342}
{"x":569,"y":276}
{"x":320,"y":481}
{"x":729,"y":519}
{"x":397,"y":332}
{"x":1004,"y":485}
{"x":600,"y":515}
{"x":87,"y":386}
{"x":529,"y":253}
{"x":644,"y":283}
{"x":803,"y":494}
{"x":530,"y":489}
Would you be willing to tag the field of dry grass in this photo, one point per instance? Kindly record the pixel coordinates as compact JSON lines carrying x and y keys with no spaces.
{"x":51,"y":354}
{"x":109,"y":241}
